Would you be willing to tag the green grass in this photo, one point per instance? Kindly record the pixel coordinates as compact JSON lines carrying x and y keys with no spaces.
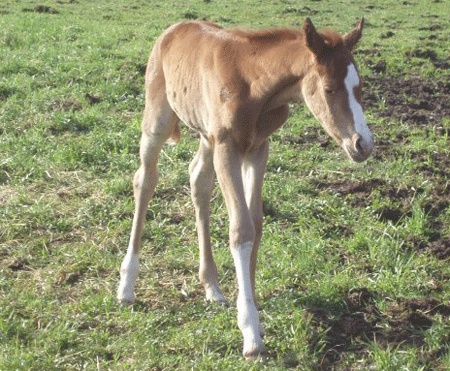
{"x":71,"y":101}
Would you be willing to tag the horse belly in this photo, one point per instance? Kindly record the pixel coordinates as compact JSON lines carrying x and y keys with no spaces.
{"x":190,"y":84}
{"x":187,"y":101}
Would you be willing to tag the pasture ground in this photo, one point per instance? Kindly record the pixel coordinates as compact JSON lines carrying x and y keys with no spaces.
{"x":353,"y":267}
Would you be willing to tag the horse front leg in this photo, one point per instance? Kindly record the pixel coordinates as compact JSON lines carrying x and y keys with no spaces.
{"x":202,"y":178}
{"x":227,"y":163}
{"x":253,"y":170}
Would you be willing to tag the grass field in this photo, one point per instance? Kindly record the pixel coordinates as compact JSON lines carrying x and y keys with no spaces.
{"x":354,"y":262}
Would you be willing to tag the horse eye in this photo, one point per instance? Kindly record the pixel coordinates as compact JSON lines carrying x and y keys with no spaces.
{"x":330,"y":91}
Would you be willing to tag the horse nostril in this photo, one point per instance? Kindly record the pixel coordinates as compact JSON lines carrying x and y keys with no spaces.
{"x":358,"y":145}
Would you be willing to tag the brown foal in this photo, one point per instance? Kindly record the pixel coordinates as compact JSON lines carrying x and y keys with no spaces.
{"x":233,"y":87}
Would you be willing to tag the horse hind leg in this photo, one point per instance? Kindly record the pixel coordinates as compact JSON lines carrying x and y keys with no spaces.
{"x":202,"y":177}
{"x":158,"y":125}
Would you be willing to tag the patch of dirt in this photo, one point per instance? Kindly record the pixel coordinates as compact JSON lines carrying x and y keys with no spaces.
{"x":363,"y":189}
{"x":402,"y":324}
{"x":19,"y":265}
{"x":394,"y":215}
{"x":312,"y":135}
{"x":92,"y":99}
{"x":190,"y":16}
{"x":303,"y":11}
{"x":416,"y":101}
{"x":440,"y":248}
{"x":66,"y":105}
{"x":41,"y":9}
{"x":363,"y":194}
{"x":359,"y":194}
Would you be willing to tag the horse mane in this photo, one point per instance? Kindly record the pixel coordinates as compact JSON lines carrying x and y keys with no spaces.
{"x":268,"y":35}
{"x":331,"y":37}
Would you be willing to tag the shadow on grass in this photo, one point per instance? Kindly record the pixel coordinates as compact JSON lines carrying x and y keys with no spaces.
{"x":349,"y":328}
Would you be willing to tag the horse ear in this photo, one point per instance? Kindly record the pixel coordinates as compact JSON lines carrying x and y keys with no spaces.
{"x":313,"y":40}
{"x":352,"y":38}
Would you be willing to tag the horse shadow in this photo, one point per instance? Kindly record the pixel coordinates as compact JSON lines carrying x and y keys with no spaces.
{"x":349,"y":327}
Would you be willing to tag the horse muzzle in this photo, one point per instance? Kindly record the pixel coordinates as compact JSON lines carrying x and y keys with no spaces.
{"x":358,"y":148}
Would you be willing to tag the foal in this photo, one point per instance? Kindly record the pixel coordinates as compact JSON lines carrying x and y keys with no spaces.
{"x":233,"y":87}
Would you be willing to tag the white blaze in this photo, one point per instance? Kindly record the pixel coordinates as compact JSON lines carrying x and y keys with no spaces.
{"x":351,"y":82}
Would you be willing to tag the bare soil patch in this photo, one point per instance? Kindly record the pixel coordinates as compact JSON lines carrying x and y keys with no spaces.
{"x":402,"y":324}
{"x":416,"y":101}
{"x":41,"y":9}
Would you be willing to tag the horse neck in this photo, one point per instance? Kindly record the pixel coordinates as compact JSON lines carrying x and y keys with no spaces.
{"x":273,"y":68}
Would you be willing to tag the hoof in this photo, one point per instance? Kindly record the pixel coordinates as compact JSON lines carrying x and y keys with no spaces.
{"x":125,"y":297}
{"x":254,"y":350}
{"x":255,"y":355}
{"x":214,"y":294}
{"x":126,"y":301}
